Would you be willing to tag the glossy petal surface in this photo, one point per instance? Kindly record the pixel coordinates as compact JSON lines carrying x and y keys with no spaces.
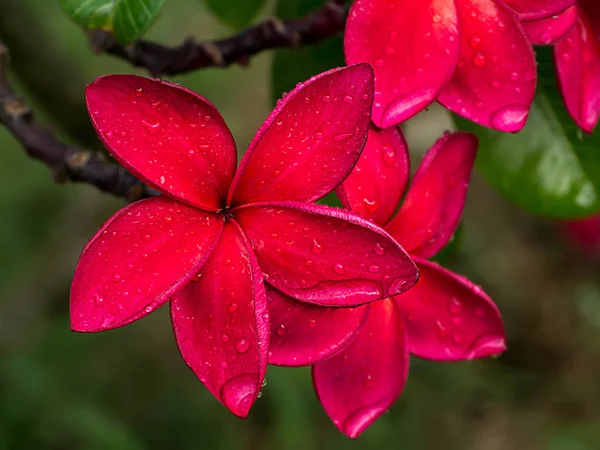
{"x":221,"y":324}
{"x":325,"y":255}
{"x":577,"y":59}
{"x":449,"y":318}
{"x":311,"y":141}
{"x":549,"y":30}
{"x":360,"y":383}
{"x":303,"y":334}
{"x":538,"y":9}
{"x":142,"y":255}
{"x":169,"y":137}
{"x":432,"y":208}
{"x":413,"y":47}
{"x":494,"y":82}
{"x":376,"y":185}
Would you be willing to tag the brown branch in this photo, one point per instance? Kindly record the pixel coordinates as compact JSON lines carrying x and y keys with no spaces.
{"x":274,"y":33}
{"x":67,"y":162}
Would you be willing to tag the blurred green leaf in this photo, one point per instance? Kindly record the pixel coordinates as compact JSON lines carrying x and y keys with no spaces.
{"x":293,"y":66}
{"x":237,"y":14}
{"x":548,"y":168}
{"x":127,"y":19}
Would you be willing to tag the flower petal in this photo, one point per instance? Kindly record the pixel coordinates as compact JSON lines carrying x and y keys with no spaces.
{"x":376,"y":185}
{"x":432,"y":208}
{"x":538,"y":9}
{"x":324,"y":255}
{"x":141,"y":256}
{"x":413,"y":47}
{"x":303,"y":334}
{"x":221,"y":323}
{"x":494,"y":83}
{"x":360,"y":383}
{"x":549,"y":30}
{"x":449,"y":318}
{"x":310,"y":142}
{"x":169,"y":137}
{"x":577,"y":58}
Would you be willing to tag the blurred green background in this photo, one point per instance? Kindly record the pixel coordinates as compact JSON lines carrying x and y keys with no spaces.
{"x":129,"y":389}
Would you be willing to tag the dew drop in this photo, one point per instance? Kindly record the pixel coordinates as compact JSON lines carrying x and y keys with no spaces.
{"x":99,"y":301}
{"x":233,"y":307}
{"x":378,"y":249}
{"x":348,"y":99}
{"x":152,"y":128}
{"x":242,"y":345}
{"x":338,"y":268}
{"x":312,"y":323}
{"x":475,"y":42}
{"x":280,"y":330}
{"x":146,"y":237}
{"x":373,"y":268}
{"x":455,"y":307}
{"x":389,"y":156}
{"x":509,"y":118}
{"x":225,"y":337}
{"x":479,"y":60}
{"x":116,"y":277}
{"x":342,"y":137}
{"x":238,"y":393}
{"x":317,"y":248}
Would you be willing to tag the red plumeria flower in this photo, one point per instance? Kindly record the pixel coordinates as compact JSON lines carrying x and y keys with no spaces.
{"x":470,"y":55}
{"x":577,"y":60}
{"x":444,"y":317}
{"x":549,"y":30}
{"x":207,"y":243}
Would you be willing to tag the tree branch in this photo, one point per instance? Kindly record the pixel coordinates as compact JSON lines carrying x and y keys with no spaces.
{"x":67,"y":162}
{"x":191,"y":55}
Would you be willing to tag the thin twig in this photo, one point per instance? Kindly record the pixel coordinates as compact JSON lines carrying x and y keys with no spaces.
{"x":66,"y":162}
{"x":274,"y":33}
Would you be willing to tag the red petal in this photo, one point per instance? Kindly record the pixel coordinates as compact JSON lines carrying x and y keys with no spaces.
{"x":325,"y":255}
{"x":577,"y":59}
{"x":376,"y":185}
{"x":449,"y":318}
{"x":221,"y":323}
{"x":310,"y":142}
{"x":359,"y":384}
{"x":169,"y":137}
{"x":584,"y":234}
{"x":432,"y":208}
{"x":141,"y":256}
{"x":413,"y":47}
{"x":303,"y":334}
{"x":538,"y":9}
{"x":549,"y":30}
{"x":494,"y":83}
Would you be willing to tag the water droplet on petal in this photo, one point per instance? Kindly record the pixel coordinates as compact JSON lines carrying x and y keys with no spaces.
{"x":312,"y":323}
{"x":146,"y":237}
{"x":152,"y":128}
{"x":280,"y":330}
{"x":99,"y":301}
{"x":242,"y":345}
{"x":389,"y":155}
{"x":238,"y":393}
{"x":338,"y":268}
{"x":225,"y":337}
{"x":370,"y":205}
{"x":479,"y":60}
{"x":373,"y":268}
{"x":509,"y":118}
{"x":378,"y":249}
{"x":317,"y":248}
{"x":233,"y":307}
{"x":455,"y":307}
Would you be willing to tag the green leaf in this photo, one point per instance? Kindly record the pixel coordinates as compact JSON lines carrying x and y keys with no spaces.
{"x":549,"y":168}
{"x":127,"y":19}
{"x":235,"y":13}
{"x":293,"y":66}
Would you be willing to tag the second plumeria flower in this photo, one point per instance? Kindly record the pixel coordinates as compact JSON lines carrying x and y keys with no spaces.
{"x":470,"y":55}
{"x":444,"y":317}
{"x":217,"y":234}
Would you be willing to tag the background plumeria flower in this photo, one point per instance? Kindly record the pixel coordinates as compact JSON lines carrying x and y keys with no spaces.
{"x":577,"y":61}
{"x":575,"y":34}
{"x":444,"y":317}
{"x":207,"y":243}
{"x":470,"y":55}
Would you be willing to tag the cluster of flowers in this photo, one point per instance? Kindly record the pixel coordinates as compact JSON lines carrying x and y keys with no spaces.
{"x":256,"y":272}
